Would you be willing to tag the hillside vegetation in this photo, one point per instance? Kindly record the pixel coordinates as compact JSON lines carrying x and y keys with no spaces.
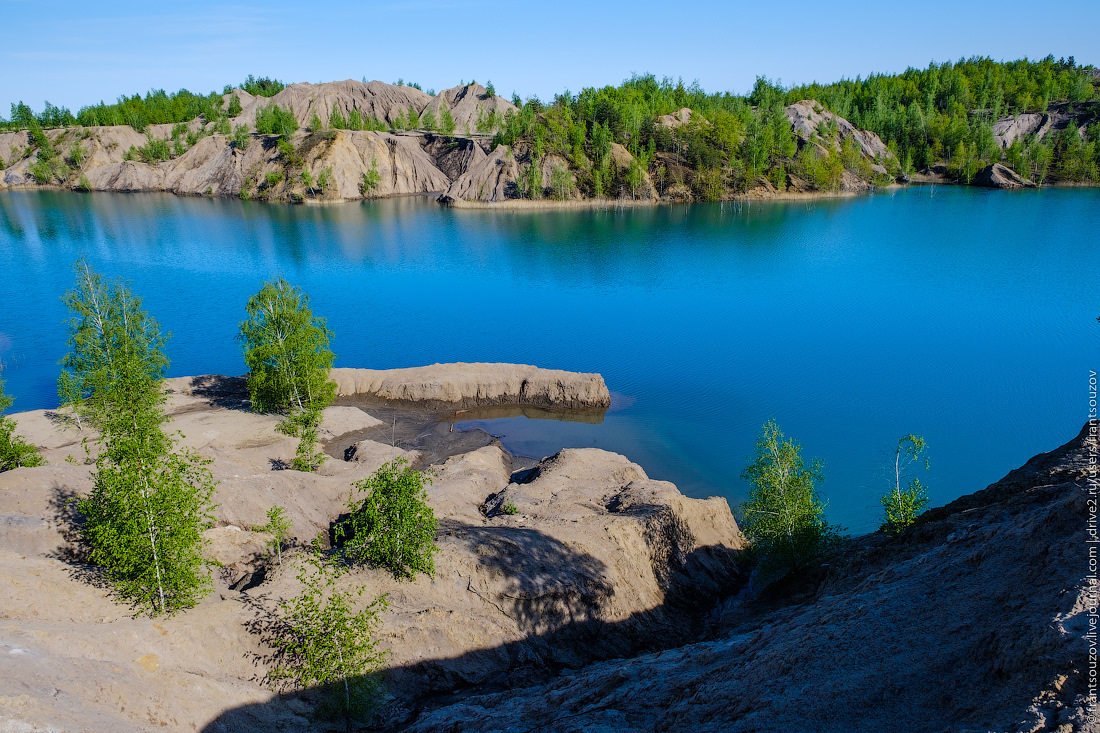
{"x":644,"y":139}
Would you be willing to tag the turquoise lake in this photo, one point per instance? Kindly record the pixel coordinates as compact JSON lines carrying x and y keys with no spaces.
{"x":966,"y":316}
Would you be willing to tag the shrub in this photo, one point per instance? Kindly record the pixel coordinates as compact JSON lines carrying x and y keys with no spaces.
{"x":371,"y":178}
{"x":14,"y":451}
{"x":321,"y":640}
{"x":241,"y":137}
{"x":154,"y":150}
{"x":784,"y":517}
{"x":234,"y":108}
{"x":278,"y":526}
{"x":274,"y":120}
{"x":41,"y":170}
{"x":393,"y":527}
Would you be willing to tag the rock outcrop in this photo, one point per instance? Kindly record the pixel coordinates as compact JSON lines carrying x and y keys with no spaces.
{"x":1038,"y":125}
{"x":806,"y":118}
{"x":976,"y":619}
{"x":598,"y":561}
{"x":1000,"y":176}
{"x":460,"y":386}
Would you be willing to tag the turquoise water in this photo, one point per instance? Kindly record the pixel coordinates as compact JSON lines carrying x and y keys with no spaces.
{"x":966,"y":316}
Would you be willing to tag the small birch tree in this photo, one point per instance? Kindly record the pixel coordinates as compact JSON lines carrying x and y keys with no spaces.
{"x":393,"y":526}
{"x":286,"y":350}
{"x":902,"y":506}
{"x":784,"y":517}
{"x":321,"y":639}
{"x":149,"y":505}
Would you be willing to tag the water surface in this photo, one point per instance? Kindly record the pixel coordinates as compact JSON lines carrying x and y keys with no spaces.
{"x":968,"y":317}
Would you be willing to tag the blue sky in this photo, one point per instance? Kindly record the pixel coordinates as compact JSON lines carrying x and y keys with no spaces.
{"x":77,"y":53}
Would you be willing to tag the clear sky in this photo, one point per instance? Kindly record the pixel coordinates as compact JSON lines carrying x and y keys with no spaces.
{"x":77,"y":53}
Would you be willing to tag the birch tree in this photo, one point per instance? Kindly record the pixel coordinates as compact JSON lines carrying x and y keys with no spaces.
{"x":286,"y":350}
{"x":149,"y":503}
{"x":784,"y":517}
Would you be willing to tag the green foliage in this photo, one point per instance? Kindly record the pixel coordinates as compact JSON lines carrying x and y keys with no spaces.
{"x":222,"y":127}
{"x":305,"y":425}
{"x":446,"y":120}
{"x":77,"y":154}
{"x":155,"y":149}
{"x":902,"y":506}
{"x":262,"y":87}
{"x":156,"y":108}
{"x":286,"y":351}
{"x":509,"y":508}
{"x":274,"y":120}
{"x":315,"y":123}
{"x":15,"y":452}
{"x":83,"y":184}
{"x":372,"y":178}
{"x":337,"y":120}
{"x":490,"y":90}
{"x":307,"y":179}
{"x":393,"y":527}
{"x":115,"y":347}
{"x":323,"y":640}
{"x":149,"y":504}
{"x":234,"y":107}
{"x":784,"y":517}
{"x":530,"y":182}
{"x":427,"y":121}
{"x":41,"y":170}
{"x":289,"y":155}
{"x":326,"y":180}
{"x":241,"y":137}
{"x":278,"y":526}
{"x":926,"y":113}
{"x":561,"y":183}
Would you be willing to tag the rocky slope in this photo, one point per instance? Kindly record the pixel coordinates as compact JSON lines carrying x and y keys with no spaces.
{"x":337,"y":165}
{"x":1078,"y":116}
{"x":975,"y":620}
{"x":598,"y":562}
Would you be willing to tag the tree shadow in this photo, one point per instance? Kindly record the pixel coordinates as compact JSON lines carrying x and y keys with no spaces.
{"x":548,"y":584}
{"x":557,"y":597}
{"x":222,"y":391}
{"x":74,"y":551}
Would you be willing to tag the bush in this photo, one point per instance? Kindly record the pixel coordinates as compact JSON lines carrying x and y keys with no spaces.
{"x":784,"y":517}
{"x":154,"y":150}
{"x":393,"y":527}
{"x":274,"y":120}
{"x":14,"y":451}
{"x":234,"y":108}
{"x":322,"y":641}
{"x":241,"y":137}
